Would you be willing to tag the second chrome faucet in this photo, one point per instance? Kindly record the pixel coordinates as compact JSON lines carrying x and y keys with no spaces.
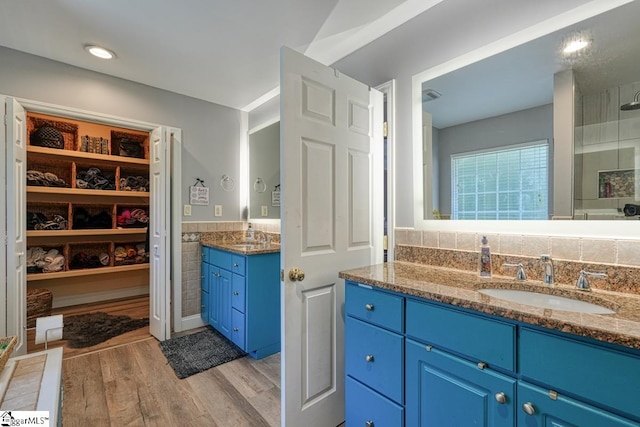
{"x":549,"y":277}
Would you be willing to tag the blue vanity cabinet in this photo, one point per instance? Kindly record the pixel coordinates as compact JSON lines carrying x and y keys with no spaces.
{"x":374,"y":357}
{"x":244,"y":299}
{"x":445,"y":390}
{"x":204,"y":291}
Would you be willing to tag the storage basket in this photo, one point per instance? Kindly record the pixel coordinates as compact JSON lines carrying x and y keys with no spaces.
{"x":92,"y":217}
{"x":130,"y":253}
{"x":39,"y":303}
{"x":6,"y":348}
{"x":132,"y":216}
{"x":47,"y":216}
{"x":49,"y":173}
{"x":90,"y":177}
{"x":90,"y":255}
{"x":37,"y":263}
{"x":69,"y":131}
{"x":128,"y":144}
{"x":133,"y":179}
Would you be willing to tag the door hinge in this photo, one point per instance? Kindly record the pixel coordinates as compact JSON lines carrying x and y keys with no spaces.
{"x":282,"y":275}
{"x":385,"y":129}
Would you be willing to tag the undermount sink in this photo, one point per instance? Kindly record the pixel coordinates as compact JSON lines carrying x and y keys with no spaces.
{"x":554,"y":302}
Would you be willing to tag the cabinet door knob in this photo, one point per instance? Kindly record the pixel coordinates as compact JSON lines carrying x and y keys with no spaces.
{"x":236,"y":265}
{"x":369,"y":424}
{"x":369,"y":358}
{"x":202,"y":277}
{"x":235,"y":329}
{"x":369,"y":307}
{"x":528,"y":408}
{"x":236,"y":293}
{"x":501,"y":398}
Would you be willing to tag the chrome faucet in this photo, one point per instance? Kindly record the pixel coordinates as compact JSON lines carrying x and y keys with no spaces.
{"x":549,"y":277}
{"x":583,"y":283}
{"x":520,"y":273}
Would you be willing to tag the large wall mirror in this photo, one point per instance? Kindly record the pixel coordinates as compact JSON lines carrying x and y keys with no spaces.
{"x":487,"y":143}
{"x":264,"y":173}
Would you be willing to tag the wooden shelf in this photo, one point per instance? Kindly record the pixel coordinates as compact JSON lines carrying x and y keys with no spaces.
{"x":87,"y":232}
{"x":81,"y":156}
{"x":84,"y":192}
{"x":86,"y":272}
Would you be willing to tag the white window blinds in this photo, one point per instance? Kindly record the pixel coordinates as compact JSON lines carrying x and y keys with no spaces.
{"x":509,"y":183}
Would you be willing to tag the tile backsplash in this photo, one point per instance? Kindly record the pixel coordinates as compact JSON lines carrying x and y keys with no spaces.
{"x":620,"y":259}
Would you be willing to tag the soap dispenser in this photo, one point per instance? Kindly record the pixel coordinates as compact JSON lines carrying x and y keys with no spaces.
{"x":249,"y":234}
{"x":484,"y":264}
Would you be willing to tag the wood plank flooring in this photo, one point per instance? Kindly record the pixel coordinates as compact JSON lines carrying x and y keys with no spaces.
{"x":134,"y":385}
{"x":134,"y":307}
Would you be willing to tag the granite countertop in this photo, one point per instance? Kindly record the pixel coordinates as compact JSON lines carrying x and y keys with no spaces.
{"x":241,"y":247}
{"x":460,"y":288}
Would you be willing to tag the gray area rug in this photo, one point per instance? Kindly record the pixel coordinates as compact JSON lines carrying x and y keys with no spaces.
{"x":86,"y":330}
{"x":198,"y":352}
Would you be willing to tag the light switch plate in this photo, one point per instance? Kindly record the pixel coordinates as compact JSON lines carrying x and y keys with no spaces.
{"x":217,"y":210}
{"x":187,"y":210}
{"x":265,"y":210}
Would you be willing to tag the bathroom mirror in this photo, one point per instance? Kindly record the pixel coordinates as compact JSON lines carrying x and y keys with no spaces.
{"x":473,"y":109}
{"x":264,"y":173}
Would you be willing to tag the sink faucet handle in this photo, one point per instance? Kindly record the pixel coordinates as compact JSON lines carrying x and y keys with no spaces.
{"x":520,"y":273}
{"x":583,"y":282}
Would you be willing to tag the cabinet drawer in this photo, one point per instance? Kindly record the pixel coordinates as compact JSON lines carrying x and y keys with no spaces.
{"x":238,"y":264}
{"x":373,"y":306}
{"x":220,"y":258}
{"x":237,"y":328}
{"x":479,"y":338}
{"x":366,"y":407}
{"x":238,"y":293}
{"x":602,"y":375}
{"x":374,"y":356}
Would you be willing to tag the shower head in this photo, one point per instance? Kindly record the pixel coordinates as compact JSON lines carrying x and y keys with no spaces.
{"x":634,"y":105}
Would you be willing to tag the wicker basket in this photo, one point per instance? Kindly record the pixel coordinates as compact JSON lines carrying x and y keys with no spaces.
{"x":6,"y":348}
{"x":136,"y":144}
{"x":68,"y":130}
{"x":60,"y":169}
{"x":87,"y":255}
{"x":39,"y":303}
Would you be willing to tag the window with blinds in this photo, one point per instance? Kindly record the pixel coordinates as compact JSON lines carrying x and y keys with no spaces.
{"x":509,"y":183}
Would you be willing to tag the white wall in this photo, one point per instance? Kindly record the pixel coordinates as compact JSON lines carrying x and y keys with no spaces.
{"x":211,"y":133}
{"x":400,"y":54}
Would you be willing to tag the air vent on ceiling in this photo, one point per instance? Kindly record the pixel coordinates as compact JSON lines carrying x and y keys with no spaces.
{"x":430,"y":95}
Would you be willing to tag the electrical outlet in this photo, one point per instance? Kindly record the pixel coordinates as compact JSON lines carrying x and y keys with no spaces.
{"x":187,"y":210}
{"x":217,"y":210}
{"x":265,"y":210}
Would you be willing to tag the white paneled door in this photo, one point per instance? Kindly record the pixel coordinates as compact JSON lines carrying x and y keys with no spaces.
{"x":332,"y":220}
{"x":16,"y":207}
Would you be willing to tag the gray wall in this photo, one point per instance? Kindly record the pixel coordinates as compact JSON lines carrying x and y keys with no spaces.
{"x":399,"y":55}
{"x":210,"y":132}
{"x":522,"y":126}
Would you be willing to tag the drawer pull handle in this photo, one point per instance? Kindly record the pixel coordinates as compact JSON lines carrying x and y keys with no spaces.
{"x":236,"y":265}
{"x":369,"y":307}
{"x":369,"y":424}
{"x":369,"y":358}
{"x":528,"y":408}
{"x":236,"y":293}
{"x":501,"y":398}
{"x":235,"y":329}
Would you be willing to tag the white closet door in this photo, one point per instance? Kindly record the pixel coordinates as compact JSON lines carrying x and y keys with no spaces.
{"x":16,"y":207}
{"x":159,"y":236}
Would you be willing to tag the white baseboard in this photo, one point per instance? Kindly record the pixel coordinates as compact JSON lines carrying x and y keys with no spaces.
{"x":66,"y":301}
{"x":191,"y":322}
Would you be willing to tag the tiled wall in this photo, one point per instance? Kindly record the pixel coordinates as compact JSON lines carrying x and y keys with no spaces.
{"x":192,"y":256}
{"x":620,"y":259}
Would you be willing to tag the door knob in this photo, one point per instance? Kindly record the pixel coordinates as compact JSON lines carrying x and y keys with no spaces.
{"x":295,"y":274}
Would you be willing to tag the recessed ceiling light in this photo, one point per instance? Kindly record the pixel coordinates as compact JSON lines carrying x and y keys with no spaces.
{"x":575,"y":45}
{"x":100,"y":52}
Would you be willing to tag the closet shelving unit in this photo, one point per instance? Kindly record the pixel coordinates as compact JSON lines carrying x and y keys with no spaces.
{"x":66,"y":164}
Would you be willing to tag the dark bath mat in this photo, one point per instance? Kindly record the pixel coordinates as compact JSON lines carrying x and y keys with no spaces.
{"x":86,"y":330}
{"x":190,"y":354}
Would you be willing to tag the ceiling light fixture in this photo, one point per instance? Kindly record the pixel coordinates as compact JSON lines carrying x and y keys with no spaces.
{"x":575,"y":45}
{"x":100,"y":52}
